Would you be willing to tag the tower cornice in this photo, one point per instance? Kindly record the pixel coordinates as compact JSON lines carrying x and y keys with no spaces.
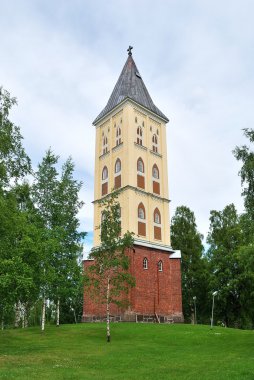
{"x":98,"y":122}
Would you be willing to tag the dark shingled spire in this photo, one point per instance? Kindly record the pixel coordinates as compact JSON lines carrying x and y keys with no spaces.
{"x":130,"y":85}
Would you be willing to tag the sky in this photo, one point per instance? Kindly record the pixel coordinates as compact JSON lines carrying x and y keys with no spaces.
{"x":61,"y":59}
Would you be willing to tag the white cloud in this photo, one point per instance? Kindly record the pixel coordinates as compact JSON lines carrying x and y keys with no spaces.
{"x":196,"y":57}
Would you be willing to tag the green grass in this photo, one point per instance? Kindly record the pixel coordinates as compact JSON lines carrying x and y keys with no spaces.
{"x":137,"y":351}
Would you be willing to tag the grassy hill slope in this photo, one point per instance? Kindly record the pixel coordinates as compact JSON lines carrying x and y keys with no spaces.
{"x":137,"y":351}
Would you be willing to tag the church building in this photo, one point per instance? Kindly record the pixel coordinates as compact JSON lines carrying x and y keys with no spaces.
{"x":131,"y":156}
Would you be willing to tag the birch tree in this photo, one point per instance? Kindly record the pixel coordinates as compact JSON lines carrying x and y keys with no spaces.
{"x":44,"y":194}
{"x":108,"y":279}
{"x":66,"y":223}
{"x":57,"y":200}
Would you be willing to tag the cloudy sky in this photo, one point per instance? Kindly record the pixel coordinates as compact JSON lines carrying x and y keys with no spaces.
{"x":61,"y":59}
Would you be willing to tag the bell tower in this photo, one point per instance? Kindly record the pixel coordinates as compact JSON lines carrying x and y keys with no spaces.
{"x":131,"y":156}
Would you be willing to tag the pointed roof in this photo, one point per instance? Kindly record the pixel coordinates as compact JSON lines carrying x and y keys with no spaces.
{"x":130,"y":85}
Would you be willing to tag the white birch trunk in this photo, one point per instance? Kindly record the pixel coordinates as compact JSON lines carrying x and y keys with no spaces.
{"x":57,"y":312}
{"x":74,"y":312}
{"x":2,"y":324}
{"x":43,"y":316}
{"x":108,"y":315}
{"x":17,"y":315}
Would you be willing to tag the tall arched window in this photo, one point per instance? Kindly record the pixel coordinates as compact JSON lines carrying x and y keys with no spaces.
{"x":104,"y":144}
{"x":157,"y":216}
{"x":141,"y":220}
{"x":141,"y":211}
{"x":155,"y":171}
{"x":155,"y":143}
{"x":117,"y":174}
{"x":160,"y":266}
{"x":140,"y":165}
{"x":139,"y":136}
{"x":140,"y":173}
{"x":104,"y":173}
{"x":118,"y":136}
{"x":103,"y":216}
{"x":118,"y":166}
{"x":145,"y":263}
{"x":157,"y":224}
{"x":156,"y":181}
{"x":104,"y":177}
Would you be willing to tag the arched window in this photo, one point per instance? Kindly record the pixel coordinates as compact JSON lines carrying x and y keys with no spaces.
{"x":103,"y":216}
{"x":141,"y":220}
{"x":145,"y":263}
{"x":155,"y":143}
{"x":140,"y":174}
{"x":139,"y":136}
{"x":104,"y":185}
{"x":157,"y":224}
{"x":155,"y":171}
{"x":141,"y":211}
{"x":157,"y":216}
{"x":160,"y":266}
{"x":140,"y":166}
{"x":105,"y":144}
{"x":118,"y":136}
{"x":105,"y":173}
{"x":117,"y":166}
{"x":118,"y":180}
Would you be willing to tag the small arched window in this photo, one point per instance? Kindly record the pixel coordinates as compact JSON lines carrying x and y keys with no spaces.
{"x":157,"y":216}
{"x":141,"y":211}
{"x":145,"y":263}
{"x":140,"y":166}
{"x":105,"y":144}
{"x":155,"y":143}
{"x":155,"y":171}
{"x":118,"y":166}
{"x":118,"y":136}
{"x":139,"y":136}
{"x":105,"y":173}
{"x":160,"y":266}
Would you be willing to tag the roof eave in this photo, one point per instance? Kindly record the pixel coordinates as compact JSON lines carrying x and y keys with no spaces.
{"x":96,"y":121}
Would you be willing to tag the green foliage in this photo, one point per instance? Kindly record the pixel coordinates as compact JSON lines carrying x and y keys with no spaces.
{"x":14,"y":162}
{"x":57,"y":203}
{"x":40,"y":242}
{"x":110,"y":260}
{"x":246,"y":155}
{"x":225,"y":237}
{"x":185,"y":236}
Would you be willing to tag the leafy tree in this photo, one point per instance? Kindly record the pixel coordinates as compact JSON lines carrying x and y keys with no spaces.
{"x":246,"y":155}
{"x":44,"y":195}
{"x":225,"y":238}
{"x":15,"y":273}
{"x":108,"y":279}
{"x":14,"y":162}
{"x":58,"y":205}
{"x":66,"y":223}
{"x":185,"y":236}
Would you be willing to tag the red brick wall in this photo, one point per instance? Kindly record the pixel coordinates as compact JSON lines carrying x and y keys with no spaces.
{"x":155,"y":292}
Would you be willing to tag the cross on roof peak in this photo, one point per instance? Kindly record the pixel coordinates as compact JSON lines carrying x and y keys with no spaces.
{"x":129,"y":50}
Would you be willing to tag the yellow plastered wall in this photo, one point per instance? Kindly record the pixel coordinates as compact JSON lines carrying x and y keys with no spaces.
{"x":129,"y":117}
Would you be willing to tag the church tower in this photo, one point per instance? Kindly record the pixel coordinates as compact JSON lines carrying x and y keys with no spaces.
{"x":131,"y":156}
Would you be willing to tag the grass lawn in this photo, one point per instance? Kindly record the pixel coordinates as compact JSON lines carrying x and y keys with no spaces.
{"x":137,"y":351}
